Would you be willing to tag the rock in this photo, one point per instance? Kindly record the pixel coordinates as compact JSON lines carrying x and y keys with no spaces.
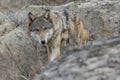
{"x":13,"y":4}
{"x":3,"y":18}
{"x":96,"y":62}
{"x":18,"y":57}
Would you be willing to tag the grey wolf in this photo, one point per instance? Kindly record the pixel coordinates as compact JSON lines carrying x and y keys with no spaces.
{"x":54,"y":28}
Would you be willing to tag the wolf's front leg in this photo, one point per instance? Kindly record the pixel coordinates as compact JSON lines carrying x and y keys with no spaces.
{"x":55,"y":53}
{"x":56,"y":48}
{"x":48,"y":52}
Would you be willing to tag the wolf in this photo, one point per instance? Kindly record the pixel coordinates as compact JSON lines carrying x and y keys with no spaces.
{"x":53,"y":29}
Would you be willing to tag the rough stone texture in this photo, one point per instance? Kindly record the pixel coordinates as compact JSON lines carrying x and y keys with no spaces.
{"x":98,"y":61}
{"x":18,"y":56}
{"x":20,"y":59}
{"x":15,"y":4}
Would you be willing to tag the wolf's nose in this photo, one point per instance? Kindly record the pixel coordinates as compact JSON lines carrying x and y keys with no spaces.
{"x":43,"y":42}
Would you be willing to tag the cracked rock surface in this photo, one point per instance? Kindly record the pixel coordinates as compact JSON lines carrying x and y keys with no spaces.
{"x":98,"y":62}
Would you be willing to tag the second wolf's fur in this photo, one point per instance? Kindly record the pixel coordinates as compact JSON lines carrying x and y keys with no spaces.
{"x":54,"y":28}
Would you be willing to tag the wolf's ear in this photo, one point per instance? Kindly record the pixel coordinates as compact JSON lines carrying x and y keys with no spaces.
{"x":49,"y":17}
{"x":31,"y":16}
{"x":45,"y":15}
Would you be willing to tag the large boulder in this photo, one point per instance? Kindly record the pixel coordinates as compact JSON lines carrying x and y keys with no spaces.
{"x":97,"y":61}
{"x":19,"y":58}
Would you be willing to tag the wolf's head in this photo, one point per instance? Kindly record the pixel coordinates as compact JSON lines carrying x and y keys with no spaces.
{"x":41,"y":29}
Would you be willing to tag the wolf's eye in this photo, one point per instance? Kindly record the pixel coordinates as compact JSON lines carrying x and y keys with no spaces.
{"x":37,"y":29}
{"x":45,"y":28}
